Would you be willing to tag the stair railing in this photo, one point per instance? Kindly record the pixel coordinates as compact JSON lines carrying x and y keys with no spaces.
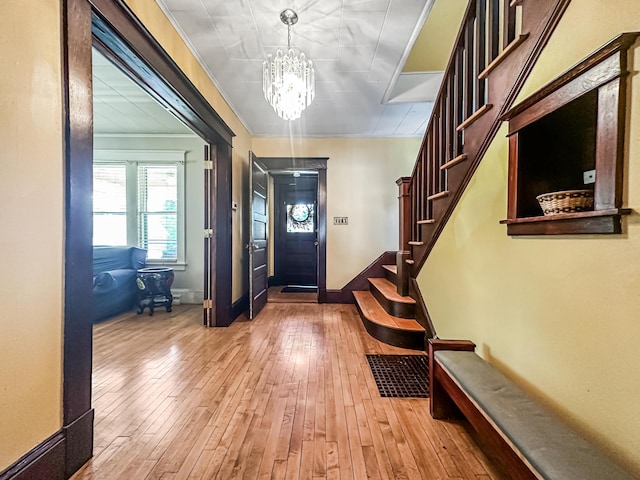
{"x":488,"y":29}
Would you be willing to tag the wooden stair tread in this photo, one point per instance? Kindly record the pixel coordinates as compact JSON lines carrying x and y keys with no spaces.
{"x":390,"y":291}
{"x":375,"y":313}
{"x":391,"y":268}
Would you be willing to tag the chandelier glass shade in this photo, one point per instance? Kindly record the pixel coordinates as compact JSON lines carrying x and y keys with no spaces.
{"x":288,"y":80}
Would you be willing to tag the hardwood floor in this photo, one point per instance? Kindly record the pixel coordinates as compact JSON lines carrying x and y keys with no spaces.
{"x":288,"y":395}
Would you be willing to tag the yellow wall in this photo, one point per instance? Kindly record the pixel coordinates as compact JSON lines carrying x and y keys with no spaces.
{"x":432,"y":48}
{"x":558,"y":314}
{"x":157,"y":23}
{"x":361,"y":176}
{"x":31,"y":192}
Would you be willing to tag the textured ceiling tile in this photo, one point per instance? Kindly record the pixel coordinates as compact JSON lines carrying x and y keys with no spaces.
{"x":367,"y":5}
{"x":361,"y":28}
{"x":355,"y":59}
{"x":227,"y":8}
{"x":183,"y":5}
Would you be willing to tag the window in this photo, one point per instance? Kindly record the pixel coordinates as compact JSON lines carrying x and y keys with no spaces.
{"x":138,"y":199}
{"x":300,"y":218}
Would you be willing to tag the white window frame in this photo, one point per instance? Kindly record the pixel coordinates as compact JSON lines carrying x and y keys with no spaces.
{"x":132,"y":158}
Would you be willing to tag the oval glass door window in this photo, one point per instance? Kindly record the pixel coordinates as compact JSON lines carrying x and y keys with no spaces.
{"x":300,"y":218}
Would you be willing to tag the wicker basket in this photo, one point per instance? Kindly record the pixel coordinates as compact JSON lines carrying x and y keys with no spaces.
{"x":566,"y":201}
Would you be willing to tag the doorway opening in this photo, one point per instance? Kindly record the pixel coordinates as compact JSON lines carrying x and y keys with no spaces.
{"x":292,"y":250}
{"x":295,"y":236}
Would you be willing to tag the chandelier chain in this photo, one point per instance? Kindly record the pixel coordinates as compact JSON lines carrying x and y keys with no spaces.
{"x":289,"y":37}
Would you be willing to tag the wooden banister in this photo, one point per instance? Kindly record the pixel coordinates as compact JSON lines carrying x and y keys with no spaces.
{"x":491,"y":58}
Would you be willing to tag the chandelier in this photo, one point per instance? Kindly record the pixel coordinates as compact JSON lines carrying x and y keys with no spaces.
{"x":288,"y":81}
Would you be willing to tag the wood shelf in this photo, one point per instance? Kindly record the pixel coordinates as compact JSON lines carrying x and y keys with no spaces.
{"x":572,"y":126}
{"x":593,"y":222}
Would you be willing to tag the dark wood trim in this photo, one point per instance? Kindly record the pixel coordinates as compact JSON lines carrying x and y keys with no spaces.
{"x":579,"y":224}
{"x":78,"y":271}
{"x":422,"y":313}
{"x":240,"y":306}
{"x":137,"y":52}
{"x":360,"y":281}
{"x":119,"y":34}
{"x":79,"y":442}
{"x":404,"y":214}
{"x":322,"y":233}
{"x":45,"y":461}
{"x":604,"y":73}
{"x":402,"y":273}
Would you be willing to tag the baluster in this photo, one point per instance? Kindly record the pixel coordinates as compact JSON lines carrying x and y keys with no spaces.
{"x":494,"y":29}
{"x":509,"y":20}
{"x":458,"y":100}
{"x":468,"y":69}
{"x":481,"y":47}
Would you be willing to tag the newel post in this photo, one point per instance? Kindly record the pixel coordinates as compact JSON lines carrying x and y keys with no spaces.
{"x":404,"y":219}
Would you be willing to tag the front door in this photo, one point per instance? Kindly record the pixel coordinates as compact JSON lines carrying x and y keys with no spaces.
{"x":295,"y":229}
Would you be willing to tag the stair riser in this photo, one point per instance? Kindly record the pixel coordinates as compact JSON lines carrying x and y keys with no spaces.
{"x":392,"y":277}
{"x":390,"y":336}
{"x":397,"y":309}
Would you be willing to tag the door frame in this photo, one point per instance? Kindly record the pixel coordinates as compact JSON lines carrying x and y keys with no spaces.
{"x":113,"y":28}
{"x":319,"y":164}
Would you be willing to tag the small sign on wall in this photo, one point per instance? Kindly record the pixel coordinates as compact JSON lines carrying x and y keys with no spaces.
{"x":341,"y":220}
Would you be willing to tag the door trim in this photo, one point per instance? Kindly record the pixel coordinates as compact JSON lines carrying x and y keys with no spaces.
{"x":122,"y":37}
{"x":318,"y":164}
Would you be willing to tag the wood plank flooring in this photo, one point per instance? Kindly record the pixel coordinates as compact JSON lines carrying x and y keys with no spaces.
{"x":288,"y":395}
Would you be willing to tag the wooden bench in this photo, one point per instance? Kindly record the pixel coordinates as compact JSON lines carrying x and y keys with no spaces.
{"x":525,"y":438}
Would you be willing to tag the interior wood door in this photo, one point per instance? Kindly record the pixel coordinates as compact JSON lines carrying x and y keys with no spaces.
{"x":258,"y":237}
{"x":296,"y":229}
{"x":208,"y":305}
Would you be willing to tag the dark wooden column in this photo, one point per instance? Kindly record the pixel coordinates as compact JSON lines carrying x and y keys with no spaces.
{"x":404,"y":220}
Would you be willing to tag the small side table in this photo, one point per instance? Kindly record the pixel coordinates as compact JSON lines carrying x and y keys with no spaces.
{"x":154,"y":288}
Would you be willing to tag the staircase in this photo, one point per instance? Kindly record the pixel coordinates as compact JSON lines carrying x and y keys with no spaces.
{"x":389,"y":316}
{"x":497,"y":46}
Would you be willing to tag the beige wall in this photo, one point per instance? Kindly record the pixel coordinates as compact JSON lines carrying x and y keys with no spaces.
{"x":432,"y":48}
{"x":31,"y":192}
{"x":157,"y":23}
{"x":361,"y":185}
{"x":558,"y":314}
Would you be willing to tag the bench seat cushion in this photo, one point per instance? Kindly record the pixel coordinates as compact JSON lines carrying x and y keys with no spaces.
{"x":550,"y":447}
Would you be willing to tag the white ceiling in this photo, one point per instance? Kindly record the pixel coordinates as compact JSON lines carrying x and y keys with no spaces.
{"x":358,"y":48}
{"x":120,"y":106}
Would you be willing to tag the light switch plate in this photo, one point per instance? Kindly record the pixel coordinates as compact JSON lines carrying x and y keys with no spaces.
{"x":341,"y":220}
{"x":589,"y":177}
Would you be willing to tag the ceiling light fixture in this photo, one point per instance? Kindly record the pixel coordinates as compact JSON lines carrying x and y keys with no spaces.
{"x":288,"y":81}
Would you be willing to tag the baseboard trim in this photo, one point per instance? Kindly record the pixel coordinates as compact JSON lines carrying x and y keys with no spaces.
{"x":240,"y":306}
{"x":359,"y":282}
{"x":338,"y":296}
{"x":46,"y":460}
{"x":79,"y":442}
